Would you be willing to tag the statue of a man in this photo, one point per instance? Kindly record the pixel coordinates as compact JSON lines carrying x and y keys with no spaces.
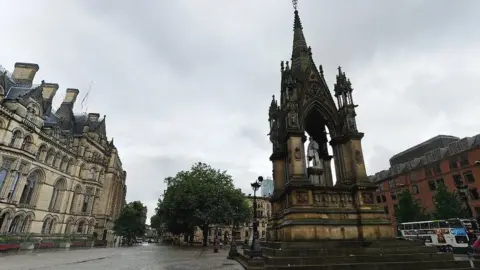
{"x":312,"y":153}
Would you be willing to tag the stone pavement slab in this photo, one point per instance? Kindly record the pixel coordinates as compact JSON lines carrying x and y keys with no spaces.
{"x":144,"y":257}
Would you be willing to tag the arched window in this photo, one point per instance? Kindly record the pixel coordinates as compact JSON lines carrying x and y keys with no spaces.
{"x":92,"y":173}
{"x":81,"y":226}
{"x":56,"y":161}
{"x":41,"y":153}
{"x":45,"y":225}
{"x":70,"y":166}
{"x":50,"y":156}
{"x":17,"y":135}
{"x":3,"y":220}
{"x":57,"y":195}
{"x":27,"y":143}
{"x":14,"y":226}
{"x":4,"y":171}
{"x":68,"y":227}
{"x":63,"y":165}
{"x":51,"y":226}
{"x":26,"y":224}
{"x":13,"y":185}
{"x":76,"y":195}
{"x":29,"y":188}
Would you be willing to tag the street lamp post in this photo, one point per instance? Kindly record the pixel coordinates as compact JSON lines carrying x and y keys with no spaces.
{"x":255,"y":249}
{"x":463,"y":189}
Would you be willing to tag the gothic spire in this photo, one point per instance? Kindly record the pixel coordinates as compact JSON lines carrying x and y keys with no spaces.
{"x":299,"y":43}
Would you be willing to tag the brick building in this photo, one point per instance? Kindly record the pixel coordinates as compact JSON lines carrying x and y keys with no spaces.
{"x":421,"y":168}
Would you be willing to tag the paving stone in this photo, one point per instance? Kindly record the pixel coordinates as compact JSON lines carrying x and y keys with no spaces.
{"x":144,"y":257}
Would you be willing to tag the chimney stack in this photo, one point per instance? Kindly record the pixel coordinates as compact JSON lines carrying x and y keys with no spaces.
{"x":71,"y":96}
{"x":24,"y":73}
{"x":49,"y":90}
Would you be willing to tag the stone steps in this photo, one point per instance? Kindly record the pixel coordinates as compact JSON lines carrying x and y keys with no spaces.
{"x":325,"y":260}
{"x":422,"y":265}
{"x":347,"y":251}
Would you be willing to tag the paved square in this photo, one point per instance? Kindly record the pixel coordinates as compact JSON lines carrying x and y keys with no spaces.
{"x":144,"y":257}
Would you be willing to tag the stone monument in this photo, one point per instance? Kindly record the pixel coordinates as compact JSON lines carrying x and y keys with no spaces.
{"x":315,"y":224}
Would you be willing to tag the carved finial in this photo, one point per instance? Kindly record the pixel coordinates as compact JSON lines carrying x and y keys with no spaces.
{"x":309,"y":50}
{"x":321,"y":69}
{"x":339,"y":70}
{"x":43,"y":81}
{"x":273,"y":97}
{"x":287,"y":65}
{"x":295,"y":4}
{"x":282,"y":67}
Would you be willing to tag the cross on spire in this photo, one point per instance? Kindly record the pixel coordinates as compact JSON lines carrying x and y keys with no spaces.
{"x":295,"y":3}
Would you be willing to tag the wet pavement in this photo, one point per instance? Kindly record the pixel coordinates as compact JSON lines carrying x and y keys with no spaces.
{"x":142,"y":257}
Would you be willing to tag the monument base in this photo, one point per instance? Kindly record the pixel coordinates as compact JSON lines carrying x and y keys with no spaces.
{"x":360,"y":255}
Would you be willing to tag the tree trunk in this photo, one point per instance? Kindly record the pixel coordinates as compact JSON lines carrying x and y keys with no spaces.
{"x":205,"y":234}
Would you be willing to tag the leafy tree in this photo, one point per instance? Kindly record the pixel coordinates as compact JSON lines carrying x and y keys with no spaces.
{"x":131,"y":222}
{"x":156,"y":222}
{"x":448,"y":204}
{"x":408,"y":209}
{"x":201,"y":197}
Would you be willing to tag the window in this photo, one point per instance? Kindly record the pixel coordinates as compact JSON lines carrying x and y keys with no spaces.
{"x":469,"y":177}
{"x":16,"y":136}
{"x":384,"y":198}
{"x":453,"y":164}
{"x":474,"y":194}
{"x":432,"y":185}
{"x":393,"y":196}
{"x":457,"y":179}
{"x":86,"y":198}
{"x":29,"y":187}
{"x":415,"y":189}
{"x":13,"y":185}
{"x":391,"y":183}
{"x":464,"y":161}
{"x":440,"y":182}
{"x":379,"y":199}
{"x":80,"y":226}
{"x":92,"y":174}
{"x":437,"y":169}
{"x":385,"y":209}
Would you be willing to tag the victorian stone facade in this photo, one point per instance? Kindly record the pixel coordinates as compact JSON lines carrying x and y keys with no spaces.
{"x":59,"y":173}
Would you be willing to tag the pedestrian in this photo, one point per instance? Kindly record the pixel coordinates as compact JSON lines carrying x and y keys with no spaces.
{"x":476,"y":246}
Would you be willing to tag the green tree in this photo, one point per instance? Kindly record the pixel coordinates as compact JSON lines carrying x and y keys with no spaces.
{"x":201,"y":197}
{"x":448,"y":204}
{"x":131,"y":222}
{"x":156,"y":222}
{"x":408,"y":209}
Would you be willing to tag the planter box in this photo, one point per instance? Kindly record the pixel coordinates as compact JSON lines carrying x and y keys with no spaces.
{"x":44,"y":245}
{"x":27,"y":245}
{"x":9,"y":246}
{"x":78,"y":244}
{"x":64,"y":244}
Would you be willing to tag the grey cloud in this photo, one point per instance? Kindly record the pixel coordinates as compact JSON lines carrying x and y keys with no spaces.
{"x":184,"y":81}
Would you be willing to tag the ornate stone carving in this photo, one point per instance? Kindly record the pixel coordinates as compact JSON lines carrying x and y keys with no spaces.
{"x":358,"y":157}
{"x":367,"y":198}
{"x":302,"y":198}
{"x":297,"y":154}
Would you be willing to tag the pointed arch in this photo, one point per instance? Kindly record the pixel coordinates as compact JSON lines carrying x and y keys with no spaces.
{"x":27,"y":222}
{"x":17,"y":135}
{"x":81,"y":225}
{"x":70,"y":166}
{"x":58,"y":193}
{"x":50,"y":156}
{"x":69,"y":225}
{"x":57,"y":160}
{"x":27,"y":143}
{"x":82,"y":171}
{"x":328,"y":116}
{"x":92,"y":173}
{"x":63,"y":163}
{"x":77,"y":193}
{"x":91,"y":226}
{"x":42,"y":153}
{"x":35,"y":179}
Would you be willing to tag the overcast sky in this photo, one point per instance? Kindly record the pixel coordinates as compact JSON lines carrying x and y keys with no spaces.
{"x":191,"y":80}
